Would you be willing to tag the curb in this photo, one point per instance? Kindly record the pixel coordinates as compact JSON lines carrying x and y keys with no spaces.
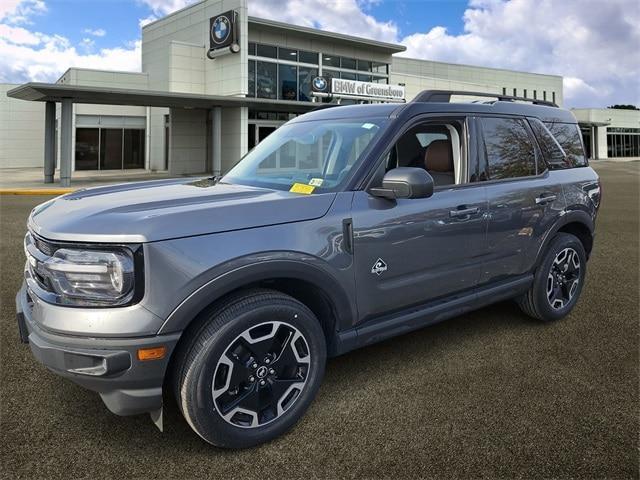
{"x":36,"y":191}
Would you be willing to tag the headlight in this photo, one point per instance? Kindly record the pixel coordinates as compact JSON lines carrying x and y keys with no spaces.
{"x":89,"y":277}
{"x":82,"y":277}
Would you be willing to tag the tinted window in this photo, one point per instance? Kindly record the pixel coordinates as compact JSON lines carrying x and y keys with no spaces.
{"x":287,"y":54}
{"x":305,"y":76}
{"x":364,"y":65}
{"x":349,"y":63}
{"x":379,"y":67}
{"x":267,"y":51}
{"x":288,"y":77}
{"x":308,"y":57}
{"x":551,"y":149}
{"x":331,"y":60}
{"x":568,"y":136}
{"x":508,"y":147}
{"x":252,"y":79}
{"x":267,"y":74}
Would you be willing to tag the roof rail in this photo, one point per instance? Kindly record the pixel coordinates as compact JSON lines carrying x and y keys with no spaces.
{"x":428,"y":96}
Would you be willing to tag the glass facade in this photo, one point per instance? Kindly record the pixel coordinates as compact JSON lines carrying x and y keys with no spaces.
{"x":286,"y":73}
{"x":623,"y":142}
{"x":281,"y":73}
{"x":109,"y":148}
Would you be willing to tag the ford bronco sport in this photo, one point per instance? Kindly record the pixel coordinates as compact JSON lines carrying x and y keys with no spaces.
{"x":346,"y":226}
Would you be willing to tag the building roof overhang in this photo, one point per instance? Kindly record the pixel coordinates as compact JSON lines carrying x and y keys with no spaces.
{"x":389,"y":48}
{"x":52,"y":92}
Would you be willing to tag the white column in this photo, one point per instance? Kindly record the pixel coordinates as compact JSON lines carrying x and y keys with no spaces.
{"x":601,"y":132}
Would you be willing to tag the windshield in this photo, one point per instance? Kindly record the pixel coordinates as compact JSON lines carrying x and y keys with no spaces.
{"x":307,"y":157}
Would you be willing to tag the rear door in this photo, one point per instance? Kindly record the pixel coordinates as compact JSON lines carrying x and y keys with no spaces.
{"x":524,"y":199}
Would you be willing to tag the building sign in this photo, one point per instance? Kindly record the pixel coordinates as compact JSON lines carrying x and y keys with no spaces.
{"x":320,"y":84}
{"x":223,"y":33}
{"x":366,"y":89}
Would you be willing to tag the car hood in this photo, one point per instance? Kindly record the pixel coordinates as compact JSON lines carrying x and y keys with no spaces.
{"x":164,"y":209}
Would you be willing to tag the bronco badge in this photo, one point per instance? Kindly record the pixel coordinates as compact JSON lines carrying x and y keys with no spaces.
{"x":379,"y":267}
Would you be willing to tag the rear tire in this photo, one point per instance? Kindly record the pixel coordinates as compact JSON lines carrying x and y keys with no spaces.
{"x":250,"y":368}
{"x":558,"y":280}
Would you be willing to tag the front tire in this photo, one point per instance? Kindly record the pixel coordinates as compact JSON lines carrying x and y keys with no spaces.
{"x":251,"y":369}
{"x":558,"y":280}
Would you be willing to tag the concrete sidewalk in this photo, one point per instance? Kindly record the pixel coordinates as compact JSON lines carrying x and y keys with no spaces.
{"x":30,"y":181}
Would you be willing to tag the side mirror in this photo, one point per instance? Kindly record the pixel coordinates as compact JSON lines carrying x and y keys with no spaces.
{"x":405,"y":182}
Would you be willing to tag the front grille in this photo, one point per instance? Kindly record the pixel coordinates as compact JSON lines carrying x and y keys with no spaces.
{"x":44,"y":246}
{"x":34,"y":262}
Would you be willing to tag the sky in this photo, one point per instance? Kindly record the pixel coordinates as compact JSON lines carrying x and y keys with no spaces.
{"x":593,"y":44}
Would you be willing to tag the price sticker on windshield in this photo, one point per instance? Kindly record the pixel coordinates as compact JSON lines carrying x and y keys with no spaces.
{"x":302,"y":188}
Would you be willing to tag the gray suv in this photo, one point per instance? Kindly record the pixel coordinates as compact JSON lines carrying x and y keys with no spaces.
{"x":346,"y":226}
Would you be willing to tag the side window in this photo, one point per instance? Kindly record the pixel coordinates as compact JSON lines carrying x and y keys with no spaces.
{"x":569,"y":138}
{"x":553,"y":153}
{"x":509,"y":150}
{"x":434,"y":147}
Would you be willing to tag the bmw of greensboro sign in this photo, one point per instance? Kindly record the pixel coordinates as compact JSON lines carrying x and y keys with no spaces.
{"x":366,"y":89}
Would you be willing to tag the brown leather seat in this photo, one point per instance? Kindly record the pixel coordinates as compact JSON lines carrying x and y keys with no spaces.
{"x":438,"y":161}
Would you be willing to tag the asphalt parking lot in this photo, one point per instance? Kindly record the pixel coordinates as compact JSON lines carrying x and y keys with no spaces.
{"x":490,"y":394}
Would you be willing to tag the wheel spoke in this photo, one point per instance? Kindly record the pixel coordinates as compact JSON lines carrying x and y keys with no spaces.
{"x":261,"y":374}
{"x":563,"y":278}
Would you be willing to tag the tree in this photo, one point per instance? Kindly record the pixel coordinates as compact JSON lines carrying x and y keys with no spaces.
{"x":624,"y":107}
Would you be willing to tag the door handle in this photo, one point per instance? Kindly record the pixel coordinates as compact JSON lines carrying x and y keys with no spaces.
{"x":544,"y":199}
{"x":464,"y":212}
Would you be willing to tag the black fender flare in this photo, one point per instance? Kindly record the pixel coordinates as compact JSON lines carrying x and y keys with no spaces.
{"x":573,"y":216}
{"x":254,"y":268}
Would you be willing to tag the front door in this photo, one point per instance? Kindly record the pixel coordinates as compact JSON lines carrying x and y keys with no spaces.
{"x":413,"y":251}
{"x":410,"y":251}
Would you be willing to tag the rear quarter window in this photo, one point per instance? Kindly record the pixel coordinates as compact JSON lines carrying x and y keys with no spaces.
{"x":569,"y":138}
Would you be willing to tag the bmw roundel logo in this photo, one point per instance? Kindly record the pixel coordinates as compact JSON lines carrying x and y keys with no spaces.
{"x":319,"y":84}
{"x":220,"y":30}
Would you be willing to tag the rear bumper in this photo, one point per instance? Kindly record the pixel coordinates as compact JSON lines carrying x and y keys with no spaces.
{"x":108,"y":366}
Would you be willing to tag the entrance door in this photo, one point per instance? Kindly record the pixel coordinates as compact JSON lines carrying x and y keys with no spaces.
{"x":259,"y":130}
{"x":264,"y":131}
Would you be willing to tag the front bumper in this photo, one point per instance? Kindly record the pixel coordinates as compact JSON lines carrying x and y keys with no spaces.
{"x":108,"y":366}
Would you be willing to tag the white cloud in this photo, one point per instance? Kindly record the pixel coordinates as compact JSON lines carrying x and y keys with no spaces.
{"x":164,"y":7}
{"x":19,"y":35}
{"x":98,"y":32}
{"x":19,"y":11}
{"x":592,"y":44}
{"x":343,"y":16}
{"x":54,"y":55}
{"x":34,"y":56}
{"x":147,"y":20}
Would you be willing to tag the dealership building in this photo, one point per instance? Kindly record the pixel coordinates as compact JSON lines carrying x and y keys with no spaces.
{"x":215,"y":82}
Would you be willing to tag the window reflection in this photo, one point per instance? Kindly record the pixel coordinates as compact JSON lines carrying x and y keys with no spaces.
{"x":305,"y":76}
{"x":266,"y":79}
{"x":568,"y":136}
{"x":509,"y":151}
{"x":252,"y":79}
{"x":288,"y":77}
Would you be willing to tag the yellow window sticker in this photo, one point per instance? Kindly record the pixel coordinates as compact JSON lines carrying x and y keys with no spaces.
{"x":302,"y":188}
{"x":316,"y":182}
